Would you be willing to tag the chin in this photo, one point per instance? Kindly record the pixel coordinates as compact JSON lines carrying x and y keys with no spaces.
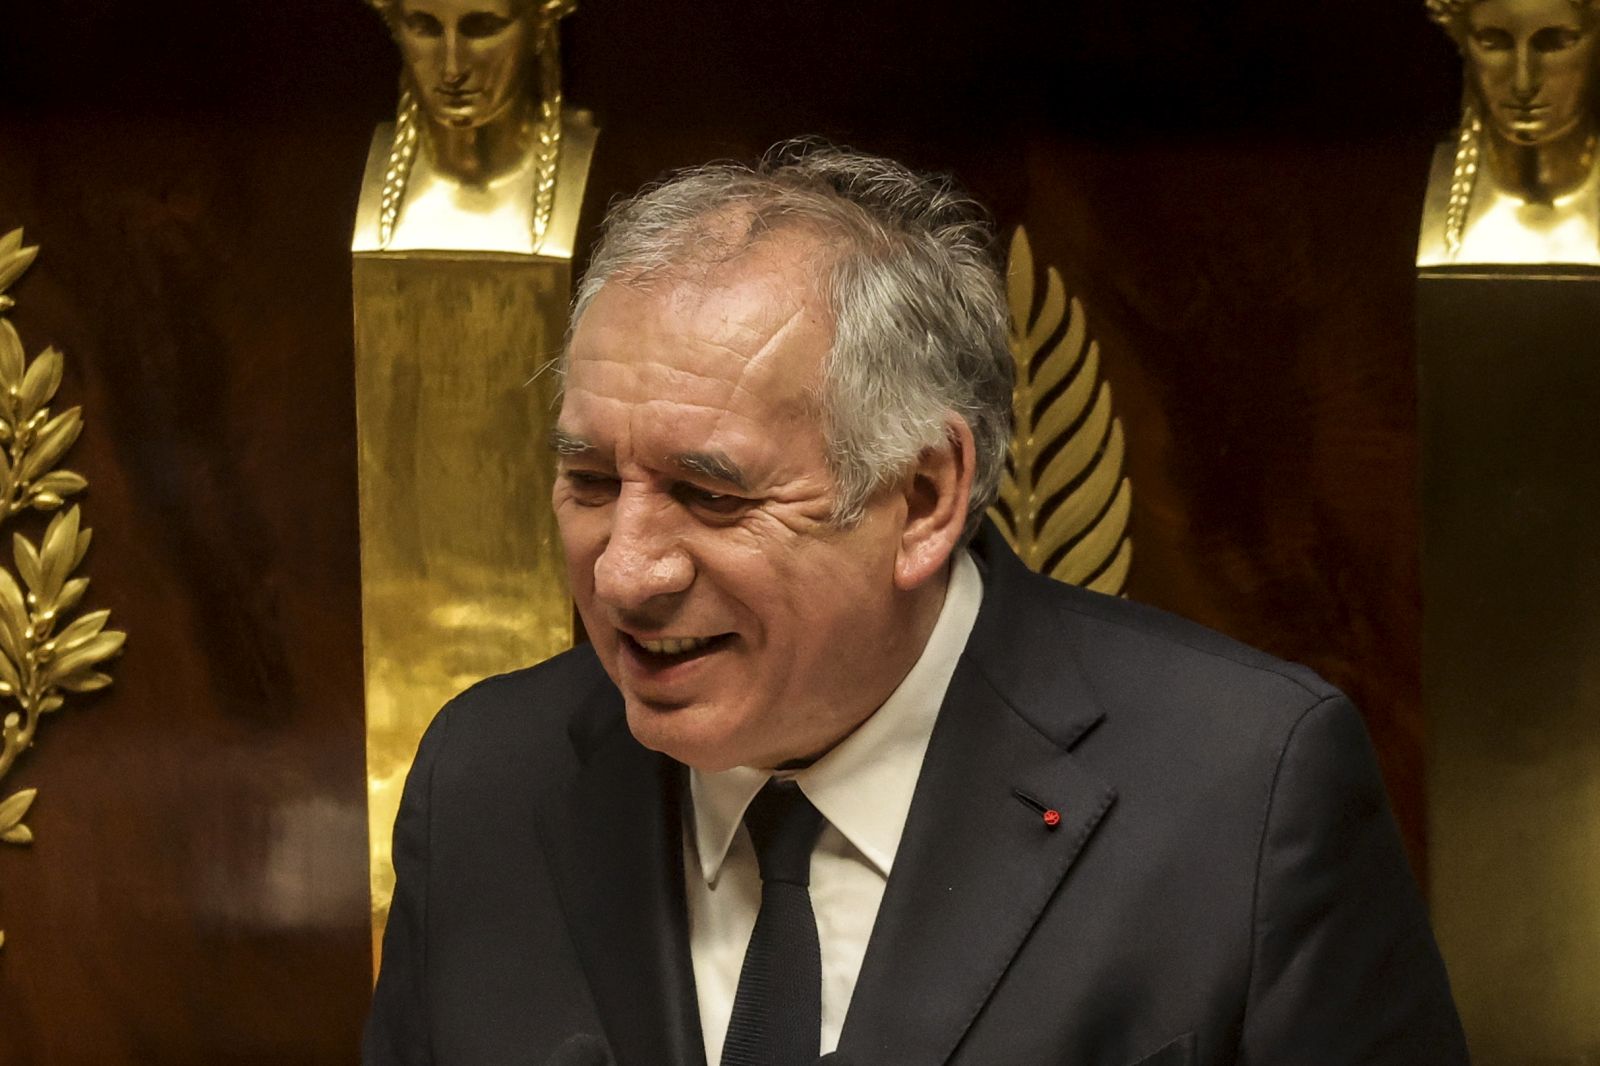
{"x":682,"y":736}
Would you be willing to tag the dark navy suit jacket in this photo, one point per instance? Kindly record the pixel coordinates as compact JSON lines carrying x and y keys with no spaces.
{"x":1225,"y":885}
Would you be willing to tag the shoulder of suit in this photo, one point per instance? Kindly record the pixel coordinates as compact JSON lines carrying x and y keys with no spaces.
{"x":572,"y":673}
{"x":1123,"y":647}
{"x":533,"y":702}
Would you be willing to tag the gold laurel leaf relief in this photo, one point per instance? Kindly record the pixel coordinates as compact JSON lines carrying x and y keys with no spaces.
{"x":46,"y":654}
{"x":1064,"y":501}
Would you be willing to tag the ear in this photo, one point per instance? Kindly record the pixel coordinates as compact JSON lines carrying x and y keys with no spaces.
{"x":935,"y":497}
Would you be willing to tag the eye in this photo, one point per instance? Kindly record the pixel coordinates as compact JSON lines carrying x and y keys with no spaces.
{"x":590,"y":486}
{"x":1493,"y":40}
{"x":1556,"y":39}
{"x":480,"y":24}
{"x":716,"y":503}
{"x":420,"y":24}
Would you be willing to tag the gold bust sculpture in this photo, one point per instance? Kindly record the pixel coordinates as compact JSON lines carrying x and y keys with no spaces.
{"x":475,"y":159}
{"x":1520,"y":184}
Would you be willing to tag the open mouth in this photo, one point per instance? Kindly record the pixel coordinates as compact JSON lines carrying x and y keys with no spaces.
{"x":668,"y":651}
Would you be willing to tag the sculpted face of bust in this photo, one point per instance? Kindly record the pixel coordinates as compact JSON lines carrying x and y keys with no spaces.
{"x":1532,"y":64}
{"x":467,"y":58}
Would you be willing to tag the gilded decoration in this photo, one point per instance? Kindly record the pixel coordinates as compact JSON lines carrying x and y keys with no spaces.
{"x":461,"y":278}
{"x":481,"y":152}
{"x":1064,"y":502}
{"x":1519,"y":183}
{"x":46,"y":654}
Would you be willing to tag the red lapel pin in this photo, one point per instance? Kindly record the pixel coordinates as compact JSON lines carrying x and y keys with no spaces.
{"x":1049,"y":815}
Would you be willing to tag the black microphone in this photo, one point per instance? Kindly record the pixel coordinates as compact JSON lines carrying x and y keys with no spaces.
{"x":582,"y":1049}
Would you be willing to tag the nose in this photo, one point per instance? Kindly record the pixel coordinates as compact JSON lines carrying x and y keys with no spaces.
{"x":1525,"y":80}
{"x":642,"y":564}
{"x":455,"y":71}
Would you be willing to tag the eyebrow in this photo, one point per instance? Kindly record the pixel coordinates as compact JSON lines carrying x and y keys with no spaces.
{"x":567,"y":444}
{"x":713,"y":465}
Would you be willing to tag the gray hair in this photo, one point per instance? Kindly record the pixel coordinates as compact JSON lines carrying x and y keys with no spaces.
{"x":920,"y":318}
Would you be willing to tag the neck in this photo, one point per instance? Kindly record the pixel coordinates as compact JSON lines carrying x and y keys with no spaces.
{"x":1539,"y":173}
{"x":478,"y":155}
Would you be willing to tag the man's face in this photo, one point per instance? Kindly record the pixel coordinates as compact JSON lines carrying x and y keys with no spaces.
{"x":694,"y":501}
{"x":1532,"y":63}
{"x":465,"y":56}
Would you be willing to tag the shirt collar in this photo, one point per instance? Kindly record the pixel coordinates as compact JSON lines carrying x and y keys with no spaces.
{"x":863,"y":786}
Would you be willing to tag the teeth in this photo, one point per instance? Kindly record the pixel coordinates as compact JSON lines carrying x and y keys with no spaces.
{"x":674,"y":645}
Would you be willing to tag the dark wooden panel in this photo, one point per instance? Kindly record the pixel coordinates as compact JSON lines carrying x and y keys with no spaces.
{"x":197,"y":891}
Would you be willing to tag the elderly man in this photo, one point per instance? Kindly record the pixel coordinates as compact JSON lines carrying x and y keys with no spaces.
{"x":836,"y":771}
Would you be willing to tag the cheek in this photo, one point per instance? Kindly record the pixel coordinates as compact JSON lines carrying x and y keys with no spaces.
{"x":1490,"y":76}
{"x":419,"y":54}
{"x":1571,"y":79}
{"x":832,"y":600}
{"x":499,"y":65}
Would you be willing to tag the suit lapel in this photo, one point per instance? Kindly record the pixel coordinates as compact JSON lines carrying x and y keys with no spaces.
{"x":977,"y":864}
{"x":620,"y":849}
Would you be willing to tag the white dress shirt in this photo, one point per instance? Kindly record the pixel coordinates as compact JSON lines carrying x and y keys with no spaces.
{"x":863,"y":788}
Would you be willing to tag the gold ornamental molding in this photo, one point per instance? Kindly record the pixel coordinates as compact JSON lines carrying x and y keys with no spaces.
{"x":44,"y":657}
{"x":1064,"y":502}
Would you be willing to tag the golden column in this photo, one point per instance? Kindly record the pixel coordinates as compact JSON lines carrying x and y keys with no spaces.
{"x":1508,"y":330}
{"x":462,"y":272}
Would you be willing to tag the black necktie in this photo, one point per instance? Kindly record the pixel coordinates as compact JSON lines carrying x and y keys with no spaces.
{"x":777,"y":1012}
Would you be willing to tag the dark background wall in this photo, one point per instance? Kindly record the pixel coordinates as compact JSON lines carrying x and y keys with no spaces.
{"x":1232,"y":188}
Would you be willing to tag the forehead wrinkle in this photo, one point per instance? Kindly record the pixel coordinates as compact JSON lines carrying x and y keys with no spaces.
{"x":764,"y":354}
{"x":723,"y":386}
{"x":646,"y":419}
{"x":769,"y":357}
{"x":758,"y":468}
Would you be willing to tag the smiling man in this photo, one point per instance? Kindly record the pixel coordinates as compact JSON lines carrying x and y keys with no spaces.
{"x":835,"y":771}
